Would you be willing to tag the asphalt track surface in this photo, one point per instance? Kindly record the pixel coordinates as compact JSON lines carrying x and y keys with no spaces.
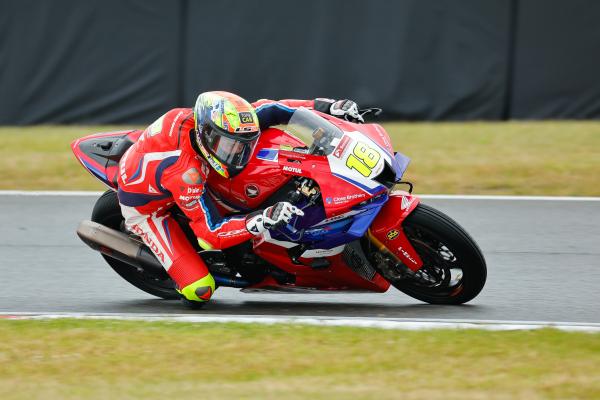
{"x":543,"y":265}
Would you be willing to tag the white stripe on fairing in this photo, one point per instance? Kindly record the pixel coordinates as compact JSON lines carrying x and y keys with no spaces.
{"x":75,"y":193}
{"x":363,"y":322}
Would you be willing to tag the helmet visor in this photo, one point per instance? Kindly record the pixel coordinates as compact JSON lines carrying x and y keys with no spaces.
{"x":233,"y":152}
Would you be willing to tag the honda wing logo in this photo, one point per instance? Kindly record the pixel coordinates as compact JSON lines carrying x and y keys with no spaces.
{"x":406,"y":203}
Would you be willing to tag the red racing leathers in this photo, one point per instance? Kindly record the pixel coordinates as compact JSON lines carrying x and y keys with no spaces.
{"x":163,"y":169}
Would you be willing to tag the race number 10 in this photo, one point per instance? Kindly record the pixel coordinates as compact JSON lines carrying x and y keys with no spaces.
{"x":363,"y":159}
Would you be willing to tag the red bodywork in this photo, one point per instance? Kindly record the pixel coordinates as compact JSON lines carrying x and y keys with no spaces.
{"x":96,"y":160}
{"x":262,"y":177}
{"x":387,"y":230}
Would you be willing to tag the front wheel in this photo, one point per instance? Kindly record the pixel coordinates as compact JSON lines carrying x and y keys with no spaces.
{"x":454,"y":270}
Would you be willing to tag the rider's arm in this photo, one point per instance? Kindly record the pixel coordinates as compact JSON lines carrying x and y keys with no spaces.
{"x":186,"y":184}
{"x":185,"y":180}
{"x":270,"y":112}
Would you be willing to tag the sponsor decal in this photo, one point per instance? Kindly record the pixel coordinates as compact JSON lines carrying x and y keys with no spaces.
{"x":295,"y":155}
{"x":237,"y":232}
{"x":393,"y":234}
{"x":267,"y":154}
{"x":122,"y":164}
{"x":322,"y":252}
{"x":188,"y":198}
{"x":405,"y":253}
{"x":328,"y":200}
{"x":245,"y":129}
{"x":156,"y":127}
{"x":295,"y":170}
{"x":336,"y":218}
{"x":173,"y":125}
{"x":384,"y":137}
{"x":192,"y":204}
{"x":406,"y":203}
{"x":252,"y":191}
{"x":246,"y":118}
{"x":333,"y":219}
{"x":148,"y":240}
{"x":194,"y":190}
{"x":204,"y":167}
{"x":345,"y":199}
{"x":341,"y":147}
{"x":192,"y":176}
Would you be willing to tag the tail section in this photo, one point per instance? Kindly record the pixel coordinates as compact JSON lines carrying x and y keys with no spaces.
{"x":100,"y":153}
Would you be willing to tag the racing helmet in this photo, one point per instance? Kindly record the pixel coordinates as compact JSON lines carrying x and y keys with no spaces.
{"x":227,"y":130}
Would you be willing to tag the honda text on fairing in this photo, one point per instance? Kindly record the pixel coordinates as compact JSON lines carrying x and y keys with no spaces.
{"x":357,"y":234}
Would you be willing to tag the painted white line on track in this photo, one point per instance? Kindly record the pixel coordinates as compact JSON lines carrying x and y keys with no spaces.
{"x":361,"y":322}
{"x":424,"y":196}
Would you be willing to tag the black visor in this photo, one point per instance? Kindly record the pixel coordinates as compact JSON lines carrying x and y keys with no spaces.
{"x":232,"y":150}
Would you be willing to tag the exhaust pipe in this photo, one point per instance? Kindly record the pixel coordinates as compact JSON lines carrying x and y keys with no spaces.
{"x":120,"y":246}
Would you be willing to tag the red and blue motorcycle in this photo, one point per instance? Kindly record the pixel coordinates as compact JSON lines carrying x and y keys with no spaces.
{"x":358,"y":233}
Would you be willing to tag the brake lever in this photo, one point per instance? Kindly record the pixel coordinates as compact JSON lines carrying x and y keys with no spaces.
{"x":372,"y":110}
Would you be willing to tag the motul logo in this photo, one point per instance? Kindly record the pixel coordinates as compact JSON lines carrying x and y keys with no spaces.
{"x":295,"y":170}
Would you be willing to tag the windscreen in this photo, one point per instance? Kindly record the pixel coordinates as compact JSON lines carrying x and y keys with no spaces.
{"x":319,"y":135}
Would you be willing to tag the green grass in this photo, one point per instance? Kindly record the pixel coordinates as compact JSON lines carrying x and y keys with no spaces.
{"x":531,"y":158}
{"x":70,"y":359}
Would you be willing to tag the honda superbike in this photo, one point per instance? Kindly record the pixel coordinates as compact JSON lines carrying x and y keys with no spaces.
{"x":359,"y":233}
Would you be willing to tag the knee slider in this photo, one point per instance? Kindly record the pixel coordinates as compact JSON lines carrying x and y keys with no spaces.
{"x":201,"y":290}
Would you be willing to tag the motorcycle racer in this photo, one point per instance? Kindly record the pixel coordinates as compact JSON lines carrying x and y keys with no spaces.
{"x":170,"y":163}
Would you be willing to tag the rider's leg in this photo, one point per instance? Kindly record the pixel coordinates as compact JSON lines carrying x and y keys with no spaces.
{"x":168,"y":242}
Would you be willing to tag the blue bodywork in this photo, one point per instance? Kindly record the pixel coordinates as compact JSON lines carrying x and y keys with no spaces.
{"x":305,"y":230}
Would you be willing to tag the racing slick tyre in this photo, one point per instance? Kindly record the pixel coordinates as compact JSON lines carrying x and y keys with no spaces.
{"x":108,"y":213}
{"x":454,"y":270}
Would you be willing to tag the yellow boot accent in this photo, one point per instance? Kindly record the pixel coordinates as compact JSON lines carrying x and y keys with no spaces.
{"x":204,"y":245}
{"x":201,"y":290}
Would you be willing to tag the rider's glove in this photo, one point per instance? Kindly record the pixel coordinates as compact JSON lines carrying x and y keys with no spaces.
{"x":346,"y":109}
{"x":272,"y":217}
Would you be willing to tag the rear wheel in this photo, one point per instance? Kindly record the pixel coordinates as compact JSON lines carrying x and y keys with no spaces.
{"x":454,"y":270}
{"x":108,"y":213}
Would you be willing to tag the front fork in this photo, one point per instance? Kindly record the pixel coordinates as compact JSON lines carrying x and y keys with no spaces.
{"x":387,"y":234}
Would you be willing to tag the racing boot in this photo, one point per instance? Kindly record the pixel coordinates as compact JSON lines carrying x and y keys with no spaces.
{"x":196,"y":294}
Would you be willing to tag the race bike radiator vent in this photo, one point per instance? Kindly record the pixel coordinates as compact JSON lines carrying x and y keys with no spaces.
{"x":354,"y":256}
